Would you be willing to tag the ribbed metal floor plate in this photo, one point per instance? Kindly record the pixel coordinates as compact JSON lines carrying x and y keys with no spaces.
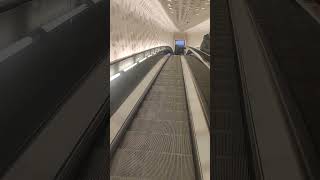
{"x":157,"y":145}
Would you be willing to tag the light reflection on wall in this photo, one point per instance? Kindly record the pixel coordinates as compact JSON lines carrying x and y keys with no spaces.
{"x":137,"y":25}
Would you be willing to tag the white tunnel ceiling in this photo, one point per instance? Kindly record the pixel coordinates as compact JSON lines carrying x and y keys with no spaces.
{"x":203,"y":27}
{"x":186,"y":14}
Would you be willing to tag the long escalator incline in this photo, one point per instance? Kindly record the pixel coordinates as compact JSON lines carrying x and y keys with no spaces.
{"x":292,"y":37}
{"x":157,"y":144}
{"x":231,"y":150}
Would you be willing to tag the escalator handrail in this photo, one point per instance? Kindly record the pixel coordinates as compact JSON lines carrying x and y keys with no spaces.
{"x":206,"y":62}
{"x":133,"y":55}
{"x":200,"y":52}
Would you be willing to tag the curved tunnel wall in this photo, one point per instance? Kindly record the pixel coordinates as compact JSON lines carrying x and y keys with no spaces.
{"x":136,"y":26}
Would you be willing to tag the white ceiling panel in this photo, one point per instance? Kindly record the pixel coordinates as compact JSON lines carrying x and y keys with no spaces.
{"x":186,"y":14}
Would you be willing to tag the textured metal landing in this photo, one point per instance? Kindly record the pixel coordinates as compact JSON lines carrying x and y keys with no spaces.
{"x":157,"y":144}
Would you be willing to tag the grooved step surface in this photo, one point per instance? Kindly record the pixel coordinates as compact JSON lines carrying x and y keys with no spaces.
{"x":157,"y":145}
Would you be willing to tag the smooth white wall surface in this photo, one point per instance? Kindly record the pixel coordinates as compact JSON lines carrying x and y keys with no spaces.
{"x":137,"y":25}
{"x":195,"y":39}
{"x":196,"y":33}
{"x":180,"y":35}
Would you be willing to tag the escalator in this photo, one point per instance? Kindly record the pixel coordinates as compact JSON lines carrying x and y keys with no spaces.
{"x":264,"y":102}
{"x":291,"y":37}
{"x":231,"y":157}
{"x":158,"y":142}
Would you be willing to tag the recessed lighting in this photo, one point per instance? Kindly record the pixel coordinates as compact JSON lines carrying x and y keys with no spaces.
{"x":169,"y":5}
{"x":126,"y":69}
{"x":142,"y":60}
{"x":203,"y":8}
{"x":114,"y":76}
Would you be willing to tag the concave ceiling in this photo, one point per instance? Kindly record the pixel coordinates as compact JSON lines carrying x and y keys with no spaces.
{"x":186,"y":14}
